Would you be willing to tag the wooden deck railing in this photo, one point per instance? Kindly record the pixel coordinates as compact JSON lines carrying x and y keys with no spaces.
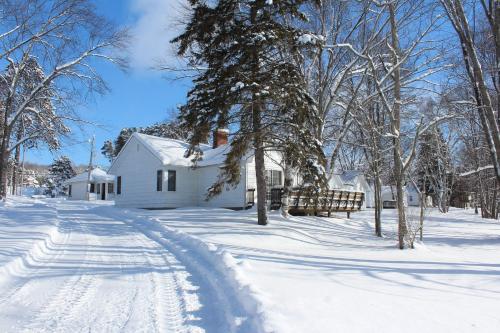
{"x":304,"y":202}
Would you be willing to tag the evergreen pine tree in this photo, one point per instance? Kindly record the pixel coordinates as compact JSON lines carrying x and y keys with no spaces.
{"x":249,"y":80}
{"x":168,"y":129}
{"x":107,"y":150}
{"x":122,"y":138}
{"x":61,"y":170}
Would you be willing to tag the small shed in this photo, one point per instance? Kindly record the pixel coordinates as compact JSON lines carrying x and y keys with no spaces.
{"x":101,"y":186}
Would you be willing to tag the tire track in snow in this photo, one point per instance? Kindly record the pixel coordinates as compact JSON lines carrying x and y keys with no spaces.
{"x":99,"y":306}
{"x":215,"y":292}
{"x":74,"y":291}
{"x":167,"y":310}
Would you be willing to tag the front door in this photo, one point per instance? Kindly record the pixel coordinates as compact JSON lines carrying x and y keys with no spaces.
{"x":103,"y":191}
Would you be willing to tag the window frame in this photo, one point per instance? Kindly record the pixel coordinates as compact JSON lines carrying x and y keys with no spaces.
{"x":111,"y":188}
{"x":92,"y":188}
{"x":274,"y":178}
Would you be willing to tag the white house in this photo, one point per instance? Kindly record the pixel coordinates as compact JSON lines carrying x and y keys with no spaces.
{"x":353,"y":180}
{"x":412,"y":196}
{"x":153,"y":172}
{"x":101,"y":186}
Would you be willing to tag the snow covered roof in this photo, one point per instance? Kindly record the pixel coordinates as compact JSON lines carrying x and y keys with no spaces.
{"x":214,"y":156}
{"x":335,"y":182}
{"x":172,"y":152}
{"x":96,"y":175}
{"x":349,"y":176}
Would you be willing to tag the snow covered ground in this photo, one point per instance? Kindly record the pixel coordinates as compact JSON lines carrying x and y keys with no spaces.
{"x":73,"y":266}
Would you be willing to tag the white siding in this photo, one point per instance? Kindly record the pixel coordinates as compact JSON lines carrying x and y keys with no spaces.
{"x":185,"y":188}
{"x":78,"y":191}
{"x":271,"y":162}
{"x":229,"y":197}
{"x":137,"y":167}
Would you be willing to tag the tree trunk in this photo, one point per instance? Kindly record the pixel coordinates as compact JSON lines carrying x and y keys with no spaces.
{"x":396,"y":125}
{"x":17,"y":159}
{"x":4,"y":162}
{"x":260,"y":171}
{"x":257,"y":108}
{"x":15,"y":168}
{"x":287,"y":185}
{"x":378,"y":205}
{"x":422,"y":209}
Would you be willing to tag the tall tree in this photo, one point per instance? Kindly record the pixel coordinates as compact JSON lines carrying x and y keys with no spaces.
{"x":239,"y":44}
{"x":63,"y":38}
{"x":475,"y":68}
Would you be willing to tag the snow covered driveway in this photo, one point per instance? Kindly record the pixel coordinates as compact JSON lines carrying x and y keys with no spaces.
{"x":76,"y":267}
{"x":90,"y":267}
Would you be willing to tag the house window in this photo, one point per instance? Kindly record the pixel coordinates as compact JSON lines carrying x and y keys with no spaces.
{"x":111,"y":188}
{"x":92,"y":188}
{"x":98,"y":188}
{"x":411,"y":197}
{"x":273,"y":178}
{"x":119,"y":185}
{"x":69,"y":190}
{"x":171,"y":180}
{"x":159,"y":181}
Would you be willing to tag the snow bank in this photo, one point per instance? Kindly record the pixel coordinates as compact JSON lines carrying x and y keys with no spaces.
{"x":28,"y":257}
{"x":223,"y":271}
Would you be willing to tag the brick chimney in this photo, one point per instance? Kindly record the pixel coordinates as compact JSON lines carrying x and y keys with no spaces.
{"x":220,"y":137}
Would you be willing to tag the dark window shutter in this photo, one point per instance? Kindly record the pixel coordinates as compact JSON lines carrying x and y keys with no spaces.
{"x":159,"y":180}
{"x":119,"y":185}
{"x":171,"y":180}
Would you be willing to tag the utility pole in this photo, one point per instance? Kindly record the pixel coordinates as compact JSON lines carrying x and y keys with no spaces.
{"x":90,"y":166}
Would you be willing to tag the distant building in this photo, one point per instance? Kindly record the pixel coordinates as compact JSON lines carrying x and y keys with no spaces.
{"x":101,"y":186}
{"x":353,"y":180}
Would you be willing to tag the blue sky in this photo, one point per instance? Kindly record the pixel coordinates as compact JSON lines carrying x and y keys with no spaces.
{"x":140,"y":96}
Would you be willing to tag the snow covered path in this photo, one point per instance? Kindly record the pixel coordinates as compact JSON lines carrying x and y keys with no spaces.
{"x":91,"y":269}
